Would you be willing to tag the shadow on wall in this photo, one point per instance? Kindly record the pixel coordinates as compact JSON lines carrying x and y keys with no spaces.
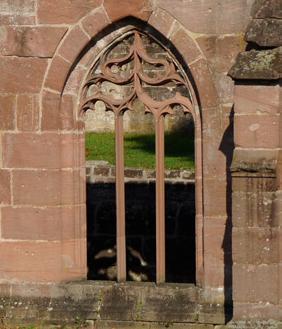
{"x":140,"y":231}
{"x":227,"y":148}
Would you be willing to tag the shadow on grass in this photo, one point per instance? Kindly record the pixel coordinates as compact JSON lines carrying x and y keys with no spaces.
{"x":140,"y":149}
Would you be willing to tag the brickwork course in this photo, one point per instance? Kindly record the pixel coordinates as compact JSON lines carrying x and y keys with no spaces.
{"x":231,"y":53}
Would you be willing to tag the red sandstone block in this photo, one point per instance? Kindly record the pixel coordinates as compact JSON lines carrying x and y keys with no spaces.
{"x":47,"y":150}
{"x":28,"y":112}
{"x":185,"y":45}
{"x":17,"y":20}
{"x":5,"y":191}
{"x":57,"y":112}
{"x":253,"y":209}
{"x":209,"y":16}
{"x":257,"y":99}
{"x":75,"y":79}
{"x":204,"y":83}
{"x":136,"y":8}
{"x":42,"y":261}
{"x":256,"y":311}
{"x":256,"y":131}
{"x":255,"y":283}
{"x":225,"y":87}
{"x":21,"y":75}
{"x":73,"y":44}
{"x":221,"y":51}
{"x":37,"y":41}
{"x":217,"y":251}
{"x":57,"y":74}
{"x":7,"y":112}
{"x":95,"y":22}
{"x":161,"y":21}
{"x":53,"y":223}
{"x":17,"y":12}
{"x":48,"y":187}
{"x":215,"y":202}
{"x":255,"y":245}
{"x":64,"y":11}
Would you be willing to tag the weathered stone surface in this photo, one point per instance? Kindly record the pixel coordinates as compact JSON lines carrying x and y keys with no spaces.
{"x":255,"y":283}
{"x":5,"y":190}
{"x":28,"y":112}
{"x":94,"y":23}
{"x":40,"y":261}
{"x":7,"y":112}
{"x":21,"y":75}
{"x":73,"y":44}
{"x":57,"y":112}
{"x":252,"y":209}
{"x":265,"y":32}
{"x":30,"y":41}
{"x":266,"y":9}
{"x":65,"y":11}
{"x":255,"y":245}
{"x":57,"y":73}
{"x":31,"y":223}
{"x":258,"y":131}
{"x":161,"y":21}
{"x":221,"y":51}
{"x":47,"y":150}
{"x":135,"y":8}
{"x":264,"y":65}
{"x":254,"y":160}
{"x":206,"y":17}
{"x":17,"y":12}
{"x":185,"y":45}
{"x":257,"y":99}
{"x":48,"y":187}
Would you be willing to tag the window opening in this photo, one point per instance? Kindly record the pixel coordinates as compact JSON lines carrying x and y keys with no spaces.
{"x":119,"y":79}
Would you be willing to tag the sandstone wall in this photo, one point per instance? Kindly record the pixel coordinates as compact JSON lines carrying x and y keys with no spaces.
{"x":47,"y":48}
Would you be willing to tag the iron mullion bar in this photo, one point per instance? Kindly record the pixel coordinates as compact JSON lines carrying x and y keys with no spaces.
{"x":160,"y":200}
{"x":120,"y":199}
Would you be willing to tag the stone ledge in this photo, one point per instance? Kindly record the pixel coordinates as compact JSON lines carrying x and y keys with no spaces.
{"x":260,"y":65}
{"x":107,"y":301}
{"x":103,"y":172}
{"x":255,"y":161}
{"x":265,"y":32}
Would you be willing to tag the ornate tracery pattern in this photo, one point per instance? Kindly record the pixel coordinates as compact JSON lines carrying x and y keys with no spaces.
{"x":134,"y":78}
{"x":118,"y":79}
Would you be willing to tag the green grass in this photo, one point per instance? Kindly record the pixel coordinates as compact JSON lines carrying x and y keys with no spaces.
{"x":140,"y":150}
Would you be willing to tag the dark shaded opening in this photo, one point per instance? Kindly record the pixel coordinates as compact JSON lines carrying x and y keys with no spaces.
{"x":141,"y":231}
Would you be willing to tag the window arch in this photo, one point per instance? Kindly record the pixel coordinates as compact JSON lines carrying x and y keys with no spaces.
{"x":125,"y":72}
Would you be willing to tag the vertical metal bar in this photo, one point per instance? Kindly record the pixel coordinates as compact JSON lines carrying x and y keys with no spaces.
{"x":160,"y":199}
{"x":120,"y":199}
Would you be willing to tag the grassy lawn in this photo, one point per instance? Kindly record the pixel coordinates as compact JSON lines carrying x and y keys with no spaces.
{"x":140,"y":150}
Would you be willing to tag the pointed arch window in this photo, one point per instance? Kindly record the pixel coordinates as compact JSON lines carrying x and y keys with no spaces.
{"x":118,"y":79}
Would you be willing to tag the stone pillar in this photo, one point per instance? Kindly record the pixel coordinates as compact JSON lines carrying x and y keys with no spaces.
{"x":256,"y":170}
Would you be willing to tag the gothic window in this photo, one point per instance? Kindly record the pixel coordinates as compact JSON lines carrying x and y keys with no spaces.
{"x":126,"y":73}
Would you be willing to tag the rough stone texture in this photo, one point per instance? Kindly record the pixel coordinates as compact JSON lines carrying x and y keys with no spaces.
{"x":265,"y":65}
{"x":65,"y":11}
{"x":26,"y":78}
{"x":67,"y":303}
{"x":7,"y":112}
{"x":17,"y":12}
{"x":266,"y":9}
{"x":141,"y":9}
{"x":206,"y":17}
{"x":265,"y":32}
{"x":30,"y":41}
{"x":42,"y":184}
{"x":30,"y":223}
{"x":5,"y":190}
{"x":27,"y":112}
